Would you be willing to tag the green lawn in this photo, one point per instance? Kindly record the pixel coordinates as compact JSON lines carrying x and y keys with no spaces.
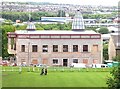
{"x":54,"y":79}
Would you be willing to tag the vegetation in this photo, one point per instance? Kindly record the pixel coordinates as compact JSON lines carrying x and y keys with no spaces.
{"x":103,"y":30}
{"x":5,"y":29}
{"x":105,"y":51}
{"x":116,"y":58}
{"x":99,"y":16}
{"x":91,"y":28}
{"x":23,"y":16}
{"x":61,"y":13}
{"x":114,"y":80}
{"x":80,"y":78}
{"x":54,"y":26}
{"x":0,"y":43}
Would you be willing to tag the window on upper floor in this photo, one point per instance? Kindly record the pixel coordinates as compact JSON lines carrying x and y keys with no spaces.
{"x":34,"y":48}
{"x":75,"y":48}
{"x":45,"y":48}
{"x":65,"y":48}
{"x":95,"y":48}
{"x":55,"y":48}
{"x":22,"y":48}
{"x":85,"y":48}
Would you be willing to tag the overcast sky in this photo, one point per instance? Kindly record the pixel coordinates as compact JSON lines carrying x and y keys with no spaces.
{"x":79,"y":2}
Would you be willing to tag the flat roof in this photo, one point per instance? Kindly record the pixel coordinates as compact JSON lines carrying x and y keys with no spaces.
{"x":54,"y":32}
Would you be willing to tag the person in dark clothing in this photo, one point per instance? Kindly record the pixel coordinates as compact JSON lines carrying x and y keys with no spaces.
{"x":45,"y":71}
{"x":42,"y":71}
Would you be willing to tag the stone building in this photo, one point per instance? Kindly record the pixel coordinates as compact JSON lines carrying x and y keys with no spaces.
{"x":56,"y":48}
{"x":114,"y":45}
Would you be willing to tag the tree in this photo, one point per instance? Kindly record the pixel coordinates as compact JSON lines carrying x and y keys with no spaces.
{"x":103,"y":30}
{"x":61,"y":13}
{"x":105,"y":51}
{"x":113,"y":80}
{"x":5,"y":29}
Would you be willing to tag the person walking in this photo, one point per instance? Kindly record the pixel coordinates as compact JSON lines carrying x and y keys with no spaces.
{"x":42,"y":71}
{"x":45,"y":71}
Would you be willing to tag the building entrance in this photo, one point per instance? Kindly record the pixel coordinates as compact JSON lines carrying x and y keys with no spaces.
{"x":65,"y":62}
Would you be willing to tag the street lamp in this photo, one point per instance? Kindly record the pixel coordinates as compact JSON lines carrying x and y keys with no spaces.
{"x":28,"y":54}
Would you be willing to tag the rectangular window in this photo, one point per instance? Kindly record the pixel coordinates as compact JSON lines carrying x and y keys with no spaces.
{"x":117,"y":52}
{"x":55,"y":48}
{"x":75,"y":48}
{"x":65,"y":48}
{"x":85,"y":48}
{"x":75,"y":60}
{"x":34,"y":48}
{"x":55,"y":61}
{"x":95,"y":48}
{"x":12,"y":43}
{"x":22,"y":48}
{"x":85,"y":61}
{"x":95,"y":60}
{"x":45,"y":48}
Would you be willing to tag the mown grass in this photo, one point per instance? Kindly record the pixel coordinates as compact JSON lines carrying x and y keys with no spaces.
{"x":57,"y":77}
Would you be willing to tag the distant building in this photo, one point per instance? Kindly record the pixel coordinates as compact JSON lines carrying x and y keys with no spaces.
{"x":18,"y":21}
{"x":116,"y":20}
{"x":56,"y":19}
{"x":114,"y":45}
{"x":56,"y":48}
{"x":64,"y":19}
{"x":2,"y":20}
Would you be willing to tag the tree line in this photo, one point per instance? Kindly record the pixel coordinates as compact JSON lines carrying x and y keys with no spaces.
{"x":36,"y":16}
{"x":24,"y":16}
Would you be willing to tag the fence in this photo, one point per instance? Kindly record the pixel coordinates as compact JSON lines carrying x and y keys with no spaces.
{"x":54,"y":69}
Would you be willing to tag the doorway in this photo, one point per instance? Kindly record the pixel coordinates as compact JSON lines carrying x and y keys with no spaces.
{"x":65,"y":62}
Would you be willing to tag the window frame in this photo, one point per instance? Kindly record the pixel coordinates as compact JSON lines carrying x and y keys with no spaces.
{"x":34,"y":48}
{"x":55,"y":49}
{"x":75,"y":49}
{"x":65,"y":49}
{"x":22,"y":48}
{"x":55,"y":61}
{"x":85,"y":49}
{"x":44,"y":49}
{"x":75,"y":61}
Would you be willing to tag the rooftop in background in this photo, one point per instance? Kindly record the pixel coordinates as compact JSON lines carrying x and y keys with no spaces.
{"x":55,"y":19}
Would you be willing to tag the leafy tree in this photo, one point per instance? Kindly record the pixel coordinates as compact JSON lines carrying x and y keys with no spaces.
{"x":105,"y":51}
{"x":116,"y":58}
{"x":5,"y":29}
{"x":61,"y":13}
{"x":103,"y":30}
{"x":24,"y":16}
{"x":18,"y":27}
{"x":91,"y":28}
{"x":113,"y":80}
{"x":0,"y":43}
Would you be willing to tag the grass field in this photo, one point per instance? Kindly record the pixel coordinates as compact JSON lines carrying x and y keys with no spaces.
{"x":54,"y":79}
